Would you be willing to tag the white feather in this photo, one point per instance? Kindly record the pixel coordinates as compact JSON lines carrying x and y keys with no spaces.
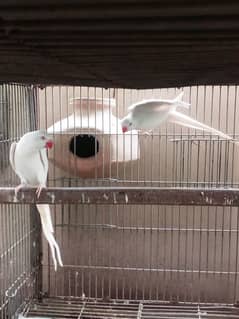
{"x":156,"y":104}
{"x":184,"y":120}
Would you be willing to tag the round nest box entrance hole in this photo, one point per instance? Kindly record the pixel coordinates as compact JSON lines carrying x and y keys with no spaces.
{"x":84,"y":145}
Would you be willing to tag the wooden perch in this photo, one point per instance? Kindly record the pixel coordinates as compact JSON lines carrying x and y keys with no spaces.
{"x":124,"y":195}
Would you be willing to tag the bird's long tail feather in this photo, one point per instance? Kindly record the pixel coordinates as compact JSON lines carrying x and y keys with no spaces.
{"x":179,"y":102}
{"x":184,"y":120}
{"x":47,"y":227}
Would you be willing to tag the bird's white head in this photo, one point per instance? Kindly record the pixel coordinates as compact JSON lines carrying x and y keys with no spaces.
{"x":126,"y":124}
{"x":36,"y":140}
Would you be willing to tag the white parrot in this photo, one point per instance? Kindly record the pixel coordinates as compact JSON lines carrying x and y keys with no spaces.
{"x":29,"y":160}
{"x":150,"y":114}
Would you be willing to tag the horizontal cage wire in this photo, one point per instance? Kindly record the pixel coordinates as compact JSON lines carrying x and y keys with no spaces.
{"x":118,"y":255}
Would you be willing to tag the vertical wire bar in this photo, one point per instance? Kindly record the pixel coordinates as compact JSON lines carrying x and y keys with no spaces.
{"x":123,"y":224}
{"x":69,"y":207}
{"x":95,"y":210}
{"x":215,"y":209}
{"x":88,"y":216}
{"x":74,"y":130}
{"x":227,"y":143}
{"x":232,"y":179}
{"x":62,"y":207}
{"x":96,"y":155}
{"x":219,"y":146}
{"x":103,"y":135}
{"x":5,"y":257}
{"x":159,"y":210}
{"x":211,"y":150}
{"x":236,"y":258}
{"x":74,"y":207}
{"x":54,"y":279}
{"x":198,"y":145}
{"x":124,"y":166}
{"x":110,"y":250}
{"x":48,"y":266}
{"x":13,"y":232}
{"x":117,"y":174}
{"x":165,"y":218}
{"x":16,"y":226}
{"x":207,"y":209}
{"x":225,"y":175}
{"x":234,"y":134}
{"x":137,"y":234}
{"x":193,"y":222}
{"x":129,"y":220}
{"x":96,"y":252}
{"x":151,"y":213}
{"x":11,"y":215}
{"x":96,"y":206}
{"x":219,"y":162}
{"x":215,"y":242}
{"x":189,"y":156}
{"x":200,"y":216}
{"x":2,"y":261}
{"x":173,"y":209}
{"x":116,"y":91}
{"x":103,"y":176}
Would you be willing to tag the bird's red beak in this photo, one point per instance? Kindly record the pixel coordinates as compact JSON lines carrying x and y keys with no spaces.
{"x":49,"y":144}
{"x":124,"y":129}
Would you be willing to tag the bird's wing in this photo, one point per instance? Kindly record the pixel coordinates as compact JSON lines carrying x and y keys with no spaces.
{"x":43,"y":167}
{"x":149,"y":104}
{"x":12,"y":155}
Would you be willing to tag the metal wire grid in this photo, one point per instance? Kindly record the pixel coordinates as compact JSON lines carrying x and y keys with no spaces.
{"x":172,"y":155}
{"x":148,"y":252}
{"x":82,"y":309}
{"x":19,"y":227}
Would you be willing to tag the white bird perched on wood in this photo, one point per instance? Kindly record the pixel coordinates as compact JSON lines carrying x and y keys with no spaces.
{"x":29,"y":160}
{"x":150,"y":114}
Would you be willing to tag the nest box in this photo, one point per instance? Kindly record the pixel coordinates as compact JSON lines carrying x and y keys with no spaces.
{"x":90,"y":139}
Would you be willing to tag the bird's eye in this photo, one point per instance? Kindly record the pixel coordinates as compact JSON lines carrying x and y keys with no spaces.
{"x":130,"y":124}
{"x":43,"y":137}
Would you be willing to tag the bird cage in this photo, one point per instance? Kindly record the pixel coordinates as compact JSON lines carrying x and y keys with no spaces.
{"x":147,"y":222}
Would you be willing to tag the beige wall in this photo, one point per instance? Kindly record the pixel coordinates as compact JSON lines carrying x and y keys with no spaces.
{"x":165,"y":252}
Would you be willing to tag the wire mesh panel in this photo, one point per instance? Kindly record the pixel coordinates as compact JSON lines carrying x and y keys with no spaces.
{"x":83,"y":309}
{"x":19,"y":226}
{"x":171,"y":156}
{"x":123,"y":252}
{"x":145,"y":252}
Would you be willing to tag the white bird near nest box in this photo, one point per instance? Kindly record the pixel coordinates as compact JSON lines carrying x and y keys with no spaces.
{"x":90,"y":139}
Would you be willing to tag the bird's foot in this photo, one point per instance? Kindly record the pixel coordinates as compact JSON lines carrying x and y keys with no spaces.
{"x":18,"y":188}
{"x":148,"y":133}
{"x":39,"y":189}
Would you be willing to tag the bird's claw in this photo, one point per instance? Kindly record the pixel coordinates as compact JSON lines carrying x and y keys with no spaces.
{"x":148,"y":133}
{"x":18,"y":188}
{"x":38,"y":190}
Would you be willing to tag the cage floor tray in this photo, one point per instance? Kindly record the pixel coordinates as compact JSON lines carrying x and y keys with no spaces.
{"x":90,"y":308}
